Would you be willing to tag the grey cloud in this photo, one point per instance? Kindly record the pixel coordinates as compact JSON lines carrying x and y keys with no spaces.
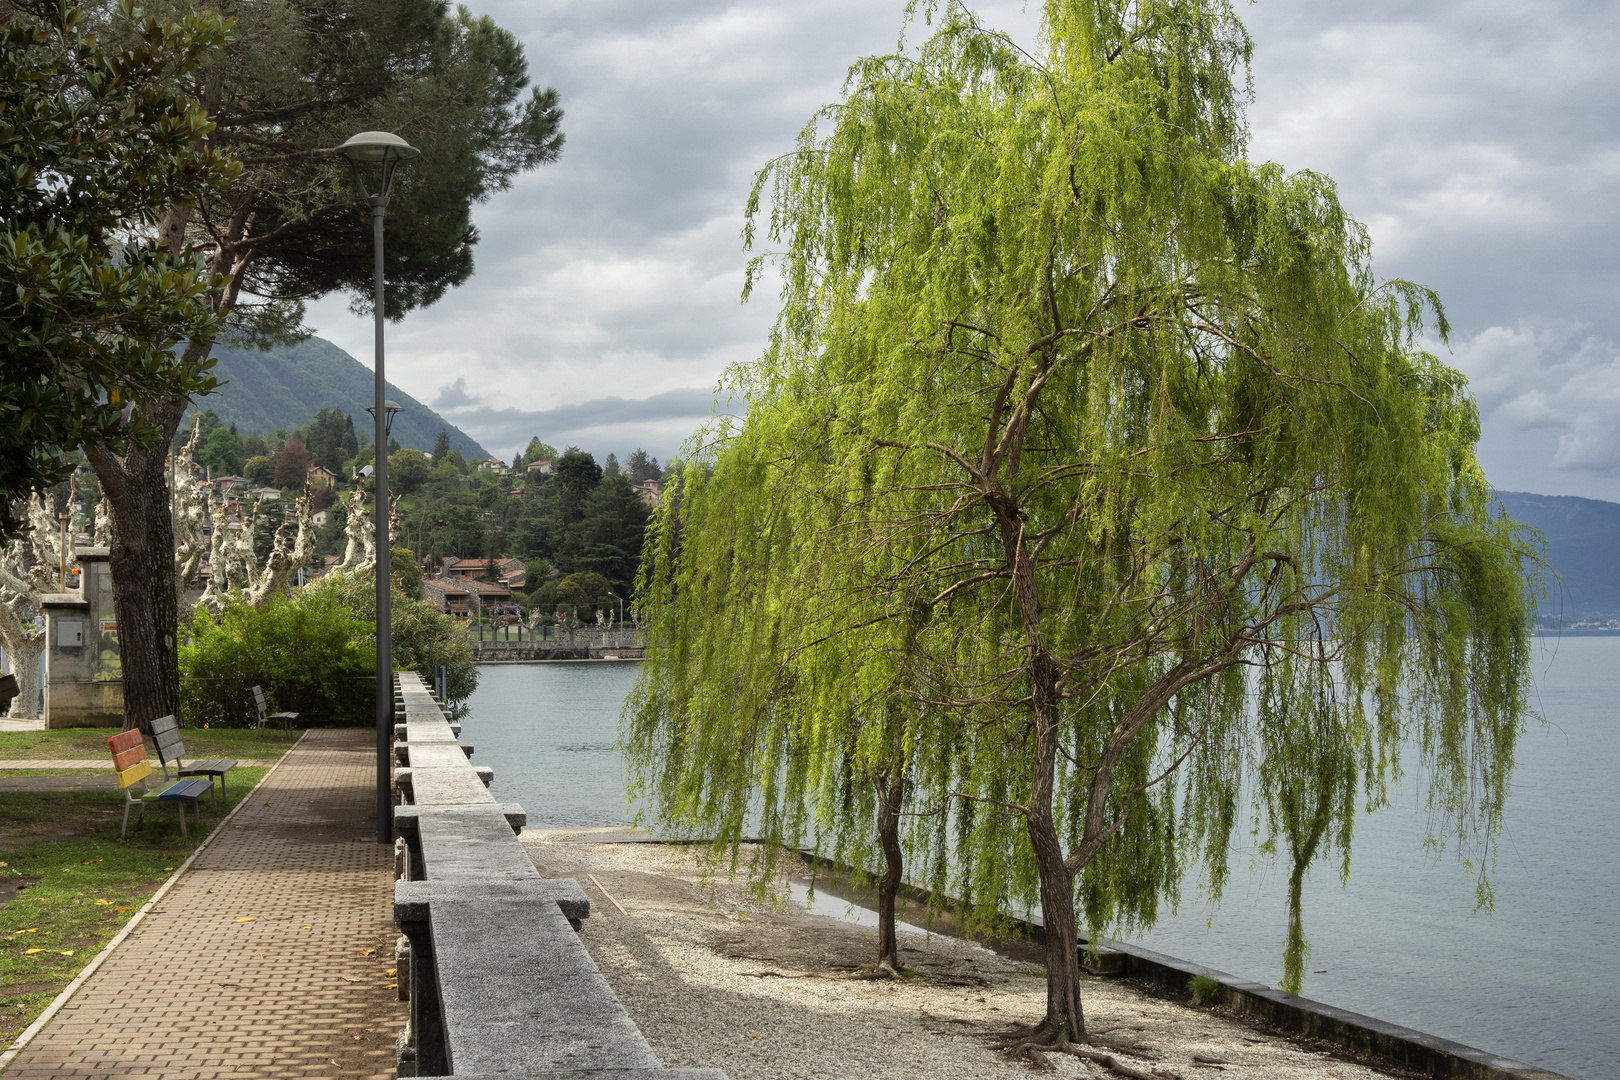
{"x":1477,"y":140}
{"x":660,"y":422}
{"x":453,"y":396}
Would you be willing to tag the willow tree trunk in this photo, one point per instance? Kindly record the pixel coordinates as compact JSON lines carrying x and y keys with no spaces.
{"x":1065,"y":1019}
{"x":142,"y":565}
{"x":891,"y":792}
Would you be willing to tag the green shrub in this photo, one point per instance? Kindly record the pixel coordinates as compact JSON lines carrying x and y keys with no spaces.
{"x":306,"y":650}
{"x":314,"y":653}
{"x":1204,"y":989}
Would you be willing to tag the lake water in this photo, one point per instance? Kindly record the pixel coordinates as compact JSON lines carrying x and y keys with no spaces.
{"x":1537,"y":980}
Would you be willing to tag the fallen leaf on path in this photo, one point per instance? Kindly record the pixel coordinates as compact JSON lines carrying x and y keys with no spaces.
{"x":249,"y":918}
{"x":123,"y":909}
{"x":390,"y":973}
{"x":168,"y":868}
{"x":237,"y":985}
{"x":756,"y":1036}
{"x":30,"y":952}
{"x":306,"y":928}
{"x":67,"y":952}
{"x":103,"y":900}
{"x":349,"y":978}
{"x":392,"y":986}
{"x":368,"y":952}
{"x":356,"y":1038}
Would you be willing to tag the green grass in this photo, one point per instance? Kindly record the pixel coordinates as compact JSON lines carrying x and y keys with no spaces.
{"x":1205,"y":990}
{"x":92,"y":742}
{"x":89,"y":884}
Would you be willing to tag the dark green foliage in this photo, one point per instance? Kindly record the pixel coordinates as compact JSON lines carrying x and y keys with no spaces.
{"x":577,"y":475}
{"x":642,"y":467}
{"x":307,"y":650}
{"x":538,"y":451}
{"x":441,"y":446}
{"x":330,"y":438}
{"x":313,"y":650}
{"x":582,"y":595}
{"x":407,"y":471}
{"x":261,"y":470}
{"x":95,"y":146}
{"x":221,"y":453}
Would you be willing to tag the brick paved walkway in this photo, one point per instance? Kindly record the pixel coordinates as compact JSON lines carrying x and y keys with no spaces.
{"x":254,"y":964}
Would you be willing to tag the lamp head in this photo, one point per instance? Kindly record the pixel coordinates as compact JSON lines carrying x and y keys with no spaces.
{"x":390,"y":408}
{"x":380,"y":147}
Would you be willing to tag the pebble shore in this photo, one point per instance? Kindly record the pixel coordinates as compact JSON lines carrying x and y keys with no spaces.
{"x":765,"y":992}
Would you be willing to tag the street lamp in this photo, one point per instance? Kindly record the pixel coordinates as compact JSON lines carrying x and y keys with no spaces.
{"x":387,"y":152}
{"x":621,"y":605}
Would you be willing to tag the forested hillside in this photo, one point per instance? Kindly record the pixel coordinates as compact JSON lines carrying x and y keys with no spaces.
{"x":576,"y":523}
{"x":282,"y":388}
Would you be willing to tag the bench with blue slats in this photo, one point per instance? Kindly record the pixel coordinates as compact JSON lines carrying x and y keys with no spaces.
{"x":129,"y":762}
{"x":166,"y":734}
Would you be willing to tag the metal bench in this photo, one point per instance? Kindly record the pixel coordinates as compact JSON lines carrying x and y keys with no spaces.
{"x":166,"y":734}
{"x":129,"y":762}
{"x":265,"y":715}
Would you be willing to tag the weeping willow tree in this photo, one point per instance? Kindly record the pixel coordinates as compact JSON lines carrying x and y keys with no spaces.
{"x":1091,"y":484}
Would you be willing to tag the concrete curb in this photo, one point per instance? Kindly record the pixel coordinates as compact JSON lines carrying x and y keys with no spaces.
{"x":22,"y":1041}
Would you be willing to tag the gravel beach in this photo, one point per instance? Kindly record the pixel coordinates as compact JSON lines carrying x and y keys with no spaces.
{"x":716,"y":979}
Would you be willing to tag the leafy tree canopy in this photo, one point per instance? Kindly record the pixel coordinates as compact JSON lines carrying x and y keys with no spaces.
{"x":96,"y":143}
{"x":1091,"y":483}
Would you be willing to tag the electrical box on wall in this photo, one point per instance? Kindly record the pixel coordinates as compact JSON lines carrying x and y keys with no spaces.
{"x":70,"y":633}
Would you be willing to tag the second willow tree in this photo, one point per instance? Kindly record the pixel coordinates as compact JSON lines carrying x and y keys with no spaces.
{"x":1094,"y":499}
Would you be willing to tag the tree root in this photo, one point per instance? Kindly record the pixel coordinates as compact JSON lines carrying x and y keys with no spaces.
{"x":1032,"y":1044}
{"x":1114,"y":1065}
{"x":881,"y":971}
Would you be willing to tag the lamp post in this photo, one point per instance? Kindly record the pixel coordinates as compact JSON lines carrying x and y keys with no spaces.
{"x":387,"y":152}
{"x":621,"y":605}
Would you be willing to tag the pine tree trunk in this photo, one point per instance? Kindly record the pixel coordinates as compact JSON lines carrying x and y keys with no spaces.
{"x":891,"y":789}
{"x":142,"y":566}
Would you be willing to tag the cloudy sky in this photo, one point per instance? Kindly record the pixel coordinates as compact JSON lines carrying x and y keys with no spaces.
{"x":1479,"y":140}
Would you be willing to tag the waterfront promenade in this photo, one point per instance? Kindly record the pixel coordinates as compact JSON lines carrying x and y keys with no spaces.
{"x":267,"y":958}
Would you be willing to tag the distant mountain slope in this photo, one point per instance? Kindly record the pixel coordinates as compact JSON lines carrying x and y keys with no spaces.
{"x":1583,"y":545}
{"x":285,"y":387}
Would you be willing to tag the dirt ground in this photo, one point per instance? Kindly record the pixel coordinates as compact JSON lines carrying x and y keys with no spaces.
{"x":769,"y":992}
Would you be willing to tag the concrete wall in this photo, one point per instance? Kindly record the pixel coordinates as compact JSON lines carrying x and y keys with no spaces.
{"x":84,"y":674}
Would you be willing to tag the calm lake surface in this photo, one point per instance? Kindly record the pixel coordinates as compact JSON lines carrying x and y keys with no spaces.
{"x":1537,"y":980}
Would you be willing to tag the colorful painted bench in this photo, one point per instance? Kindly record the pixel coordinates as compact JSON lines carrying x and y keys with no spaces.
{"x":129,"y":762}
{"x":166,"y":734}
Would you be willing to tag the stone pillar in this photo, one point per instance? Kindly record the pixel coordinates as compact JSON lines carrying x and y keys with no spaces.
{"x":84,"y":675}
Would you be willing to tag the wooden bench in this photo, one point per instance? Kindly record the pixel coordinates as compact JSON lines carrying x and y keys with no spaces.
{"x":166,"y":734}
{"x":129,"y":762}
{"x":265,"y":715}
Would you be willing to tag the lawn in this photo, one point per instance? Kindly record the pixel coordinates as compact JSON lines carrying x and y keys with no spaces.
{"x":79,"y":883}
{"x":92,"y":742}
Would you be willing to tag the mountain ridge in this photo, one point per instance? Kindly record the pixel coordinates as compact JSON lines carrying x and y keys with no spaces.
{"x":1583,"y":542}
{"x":284,"y":387}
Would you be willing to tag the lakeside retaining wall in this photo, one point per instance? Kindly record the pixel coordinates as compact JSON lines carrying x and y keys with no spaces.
{"x":1385,"y":1042}
{"x":498,"y":981}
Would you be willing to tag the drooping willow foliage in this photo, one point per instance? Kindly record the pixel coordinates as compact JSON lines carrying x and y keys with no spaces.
{"x":1090,"y":483}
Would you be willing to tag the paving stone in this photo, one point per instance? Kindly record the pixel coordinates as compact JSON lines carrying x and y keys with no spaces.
{"x":193,"y":994}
